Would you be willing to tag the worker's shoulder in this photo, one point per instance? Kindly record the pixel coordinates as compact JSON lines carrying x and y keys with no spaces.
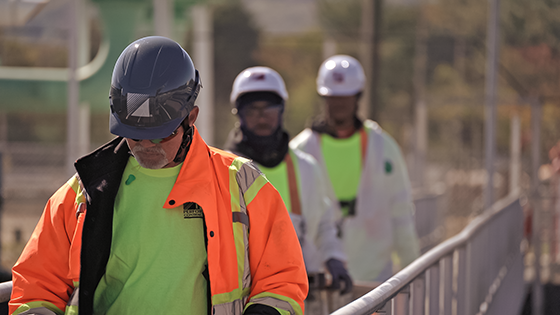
{"x":226,"y":155}
{"x":309,"y":168}
{"x":303,"y":157}
{"x":230,"y":159}
{"x":301,"y":138}
{"x":390,"y":144}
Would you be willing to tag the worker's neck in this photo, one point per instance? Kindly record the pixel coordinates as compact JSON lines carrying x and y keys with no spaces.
{"x":344,"y":129}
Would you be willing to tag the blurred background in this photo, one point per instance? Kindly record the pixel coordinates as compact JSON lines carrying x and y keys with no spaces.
{"x":426,"y":63}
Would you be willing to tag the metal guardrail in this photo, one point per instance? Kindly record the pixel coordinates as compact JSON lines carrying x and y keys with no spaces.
{"x":479,"y":271}
{"x":5,"y":291}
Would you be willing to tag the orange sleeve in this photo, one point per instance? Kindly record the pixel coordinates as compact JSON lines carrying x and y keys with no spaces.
{"x":275,"y":254}
{"x":41,"y":273}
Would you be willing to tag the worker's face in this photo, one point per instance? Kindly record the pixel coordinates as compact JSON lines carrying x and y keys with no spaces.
{"x":261,"y":117}
{"x":160,"y":155}
{"x":341,"y":108}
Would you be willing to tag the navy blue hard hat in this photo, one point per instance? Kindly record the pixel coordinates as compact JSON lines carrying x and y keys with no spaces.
{"x":153,"y":89}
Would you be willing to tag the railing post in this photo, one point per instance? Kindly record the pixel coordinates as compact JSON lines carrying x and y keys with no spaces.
{"x":460,"y":282}
{"x":469,"y":274}
{"x":446,"y":285}
{"x":387,"y":308}
{"x":418,"y":295}
{"x":433,"y":290}
{"x":400,"y":303}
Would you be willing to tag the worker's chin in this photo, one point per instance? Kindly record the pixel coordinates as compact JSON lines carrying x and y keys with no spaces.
{"x":263,"y":132}
{"x":152,"y":164}
{"x":150,"y":160}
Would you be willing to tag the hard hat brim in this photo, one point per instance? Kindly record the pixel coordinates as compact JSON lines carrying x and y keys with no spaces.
{"x":133,"y":132}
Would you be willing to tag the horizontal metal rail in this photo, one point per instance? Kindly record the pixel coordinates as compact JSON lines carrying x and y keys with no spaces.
{"x":447,"y":278}
{"x":460,"y":276}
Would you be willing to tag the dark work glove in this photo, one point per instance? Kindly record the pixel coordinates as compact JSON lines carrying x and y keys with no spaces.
{"x":261,"y":309}
{"x":339,"y":273}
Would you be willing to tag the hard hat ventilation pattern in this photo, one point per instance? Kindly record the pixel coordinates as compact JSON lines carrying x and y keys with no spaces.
{"x":143,"y":110}
{"x":138,"y":104}
{"x":153,"y":89}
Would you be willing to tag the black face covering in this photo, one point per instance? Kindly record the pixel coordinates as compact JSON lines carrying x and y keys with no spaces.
{"x":267,"y":151}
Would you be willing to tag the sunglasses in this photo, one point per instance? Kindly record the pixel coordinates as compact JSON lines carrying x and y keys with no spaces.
{"x":269,"y":111}
{"x":160,"y":140}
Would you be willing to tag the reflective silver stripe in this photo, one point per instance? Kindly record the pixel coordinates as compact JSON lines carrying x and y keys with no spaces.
{"x":270,"y":301}
{"x":38,"y":311}
{"x":74,"y":298}
{"x":246,"y":280}
{"x":241,"y":218}
{"x":247,"y":175}
{"x":230,"y":308}
{"x":242,"y":203}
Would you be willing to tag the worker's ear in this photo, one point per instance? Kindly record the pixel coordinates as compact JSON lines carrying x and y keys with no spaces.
{"x":193,"y":115}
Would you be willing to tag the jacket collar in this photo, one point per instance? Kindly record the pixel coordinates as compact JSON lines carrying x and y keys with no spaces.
{"x":194,"y":182}
{"x":105,"y":163}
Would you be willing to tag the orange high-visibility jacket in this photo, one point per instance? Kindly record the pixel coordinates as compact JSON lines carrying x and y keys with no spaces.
{"x":254,"y":255}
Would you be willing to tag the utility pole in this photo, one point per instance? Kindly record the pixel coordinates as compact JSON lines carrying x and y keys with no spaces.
{"x":369,"y":56}
{"x":203,"y":57}
{"x":73,"y":89}
{"x":515,"y":153}
{"x":536,"y":118}
{"x":163,"y":17}
{"x":421,"y":111}
{"x":78,"y":115}
{"x":492,"y":54}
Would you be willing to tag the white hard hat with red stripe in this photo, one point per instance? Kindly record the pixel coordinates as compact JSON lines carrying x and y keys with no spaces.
{"x":340,"y":75}
{"x":258,"y":79}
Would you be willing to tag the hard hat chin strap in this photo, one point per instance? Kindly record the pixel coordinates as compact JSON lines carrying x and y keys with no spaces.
{"x":185,"y":143}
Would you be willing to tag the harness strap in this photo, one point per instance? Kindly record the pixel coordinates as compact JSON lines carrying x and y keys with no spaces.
{"x":363,"y":142}
{"x":292,"y":183}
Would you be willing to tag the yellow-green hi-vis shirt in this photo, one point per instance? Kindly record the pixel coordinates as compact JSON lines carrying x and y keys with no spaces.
{"x":278,"y":177}
{"x":158,"y":255}
{"x":343,"y":160}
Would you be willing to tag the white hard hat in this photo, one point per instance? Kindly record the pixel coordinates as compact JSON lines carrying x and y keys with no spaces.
{"x":258,"y":79}
{"x":340,"y":75}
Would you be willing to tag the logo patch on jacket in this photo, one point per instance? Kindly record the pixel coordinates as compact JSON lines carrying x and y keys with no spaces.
{"x":192,"y":210}
{"x":388,"y":167}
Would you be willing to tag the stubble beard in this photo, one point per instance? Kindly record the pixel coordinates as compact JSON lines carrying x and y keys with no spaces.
{"x":154,"y":164}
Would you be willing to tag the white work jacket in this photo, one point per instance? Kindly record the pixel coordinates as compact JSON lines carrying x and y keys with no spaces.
{"x":315,"y":226}
{"x":384,"y":220}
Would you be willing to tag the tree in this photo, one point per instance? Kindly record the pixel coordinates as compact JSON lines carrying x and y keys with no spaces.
{"x":235,"y":41}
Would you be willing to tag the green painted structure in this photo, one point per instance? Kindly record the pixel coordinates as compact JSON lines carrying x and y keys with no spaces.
{"x":120,"y":22}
